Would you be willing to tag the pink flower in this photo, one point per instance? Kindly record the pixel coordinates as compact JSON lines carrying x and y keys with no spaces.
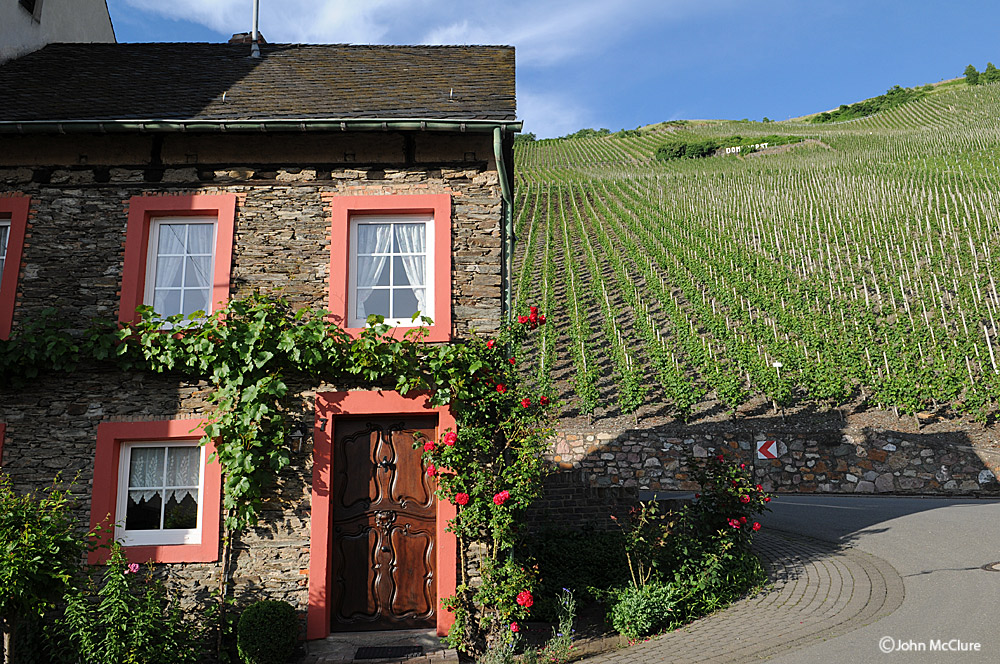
{"x":525,"y":599}
{"x":514,"y":627}
{"x":501,"y":497}
{"x":450,"y":438}
{"x":133,"y":568}
{"x":735,"y":523}
{"x":501,"y":388}
{"x":525,"y":402}
{"x":742,"y":466}
{"x":429,"y":446}
{"x":461,"y":499}
{"x":491,"y":343}
{"x":431,"y":470}
{"x":744,"y":499}
{"x":756,"y":526}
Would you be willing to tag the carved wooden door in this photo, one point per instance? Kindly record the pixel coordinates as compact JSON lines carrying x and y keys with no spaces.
{"x":383,"y":525}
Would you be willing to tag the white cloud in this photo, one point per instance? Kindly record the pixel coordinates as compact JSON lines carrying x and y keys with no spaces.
{"x":548,"y":115}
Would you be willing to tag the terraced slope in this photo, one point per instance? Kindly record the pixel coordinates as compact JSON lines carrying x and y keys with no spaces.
{"x":857,"y":268}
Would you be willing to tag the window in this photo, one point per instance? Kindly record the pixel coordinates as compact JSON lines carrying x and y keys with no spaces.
{"x":179,"y":265}
{"x":391,"y":255}
{"x":155,"y":489}
{"x":178,"y":254}
{"x":159,"y":491}
{"x":388,"y":272}
{"x":13,"y":226}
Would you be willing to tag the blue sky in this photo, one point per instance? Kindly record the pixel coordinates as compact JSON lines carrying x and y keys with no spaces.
{"x":625,"y":63}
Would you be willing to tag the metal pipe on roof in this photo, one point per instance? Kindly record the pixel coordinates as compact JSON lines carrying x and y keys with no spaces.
{"x":255,"y":48}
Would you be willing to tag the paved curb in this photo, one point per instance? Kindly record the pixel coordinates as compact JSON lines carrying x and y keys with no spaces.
{"x":819,"y":590}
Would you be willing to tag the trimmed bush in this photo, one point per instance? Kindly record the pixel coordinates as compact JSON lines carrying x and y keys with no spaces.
{"x":642,"y":611}
{"x":267,"y":633}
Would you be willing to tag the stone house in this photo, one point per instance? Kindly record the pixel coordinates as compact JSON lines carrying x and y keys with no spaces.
{"x":28,"y":25}
{"x":362,"y":179}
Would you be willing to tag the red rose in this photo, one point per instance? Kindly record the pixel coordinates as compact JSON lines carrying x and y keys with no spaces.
{"x":525,"y":599}
{"x":431,"y":469}
{"x":735,"y":523}
{"x":720,"y":458}
{"x":525,"y":402}
{"x":541,"y":320}
{"x":742,"y":466}
{"x":501,"y":388}
{"x":543,"y":400}
{"x":512,"y":361}
{"x":461,"y":499}
{"x":514,"y":627}
{"x":743,"y":520}
{"x":501,"y":497}
{"x":429,"y":446}
{"x":759,"y":487}
{"x":533,"y":311}
{"x":490,"y":343}
{"x":767,"y":499}
{"x":756,"y":526}
{"x":522,"y":319}
{"x":697,"y":495}
{"x":744,"y":499}
{"x":450,"y":438}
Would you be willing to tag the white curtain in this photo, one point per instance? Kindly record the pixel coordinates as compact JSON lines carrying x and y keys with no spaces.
{"x":372,"y":239}
{"x":184,"y":471}
{"x":412,"y":240}
{"x":145,"y":470}
{"x":4,"y":232}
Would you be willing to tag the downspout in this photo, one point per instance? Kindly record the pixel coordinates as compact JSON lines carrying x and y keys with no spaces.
{"x":507,"y":211}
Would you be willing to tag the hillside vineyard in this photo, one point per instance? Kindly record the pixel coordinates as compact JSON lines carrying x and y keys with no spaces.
{"x":856,"y":268}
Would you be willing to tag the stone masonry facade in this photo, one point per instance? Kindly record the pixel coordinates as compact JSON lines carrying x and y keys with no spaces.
{"x":73,"y":259}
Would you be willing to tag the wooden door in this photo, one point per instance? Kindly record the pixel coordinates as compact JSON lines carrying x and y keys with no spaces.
{"x":383,"y":525}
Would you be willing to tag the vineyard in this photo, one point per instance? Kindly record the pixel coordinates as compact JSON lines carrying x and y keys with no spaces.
{"x":853,"y":270}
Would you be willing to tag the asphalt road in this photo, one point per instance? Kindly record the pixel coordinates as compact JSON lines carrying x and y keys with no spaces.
{"x":938,"y":546}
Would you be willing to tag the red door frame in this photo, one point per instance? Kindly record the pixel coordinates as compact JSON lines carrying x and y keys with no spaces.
{"x":329,"y":407}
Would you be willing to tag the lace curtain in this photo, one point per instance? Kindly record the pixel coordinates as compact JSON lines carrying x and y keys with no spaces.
{"x":372,"y":239}
{"x":411,"y":239}
{"x":146,"y":478}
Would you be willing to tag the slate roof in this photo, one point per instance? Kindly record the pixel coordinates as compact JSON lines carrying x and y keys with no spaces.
{"x":184,"y":81}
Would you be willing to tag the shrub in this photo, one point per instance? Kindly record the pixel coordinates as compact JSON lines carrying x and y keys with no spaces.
{"x":126,"y":618}
{"x":644,"y":610}
{"x":267,"y":633}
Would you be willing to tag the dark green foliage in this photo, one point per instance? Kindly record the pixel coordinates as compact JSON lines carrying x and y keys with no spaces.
{"x":971,"y":75}
{"x":525,"y":138}
{"x":893,"y":97}
{"x":990,"y":75}
{"x":126,"y":617}
{"x":39,"y":553}
{"x":267,"y":633}
{"x":587,"y":133}
{"x":627,"y":133}
{"x":696,"y":147}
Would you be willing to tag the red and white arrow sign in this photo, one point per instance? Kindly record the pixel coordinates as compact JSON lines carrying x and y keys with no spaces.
{"x":767,"y":449}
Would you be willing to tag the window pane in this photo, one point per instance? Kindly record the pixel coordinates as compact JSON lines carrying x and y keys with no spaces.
{"x":196,"y":300}
{"x":4,"y":234}
{"x":374,"y":238}
{"x":169,"y":270}
{"x":181,"y":510}
{"x":171,"y":239}
{"x":143,"y":510}
{"x":145,"y":468}
{"x":198,"y":272}
{"x":408,"y":271}
{"x":372,"y":302}
{"x":167,"y":302}
{"x":373,"y":271}
{"x":183,"y":466}
{"x":409,"y":238}
{"x":200,"y":238}
{"x":404,"y":302}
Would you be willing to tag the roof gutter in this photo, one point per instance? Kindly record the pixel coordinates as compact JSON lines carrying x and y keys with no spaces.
{"x":246,"y":126}
{"x":508,"y":224}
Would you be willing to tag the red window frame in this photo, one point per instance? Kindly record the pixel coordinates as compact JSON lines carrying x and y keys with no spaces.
{"x":17,"y":207}
{"x":110,"y":437}
{"x":141,"y":212}
{"x":344,"y":207}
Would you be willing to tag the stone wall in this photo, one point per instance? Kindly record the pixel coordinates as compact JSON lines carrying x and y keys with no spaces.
{"x":73,"y":257}
{"x":813,"y":457}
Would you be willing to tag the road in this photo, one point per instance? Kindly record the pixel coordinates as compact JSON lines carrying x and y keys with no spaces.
{"x":939,"y":547}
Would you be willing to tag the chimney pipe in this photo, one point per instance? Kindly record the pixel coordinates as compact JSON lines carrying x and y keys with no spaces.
{"x":255,"y":48}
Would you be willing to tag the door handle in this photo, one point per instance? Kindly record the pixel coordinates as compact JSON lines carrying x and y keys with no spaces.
{"x":385,"y":549}
{"x":384,"y":464}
